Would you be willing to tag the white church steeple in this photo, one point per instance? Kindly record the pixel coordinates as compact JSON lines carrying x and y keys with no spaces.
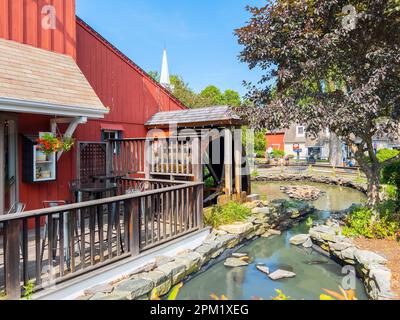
{"x":164,"y":78}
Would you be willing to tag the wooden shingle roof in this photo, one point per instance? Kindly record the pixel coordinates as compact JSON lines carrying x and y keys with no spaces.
{"x":40,"y":81}
{"x":210,"y":116}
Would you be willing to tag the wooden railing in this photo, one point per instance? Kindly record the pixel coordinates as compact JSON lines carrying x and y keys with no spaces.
{"x":157,"y":157}
{"x":92,"y":234}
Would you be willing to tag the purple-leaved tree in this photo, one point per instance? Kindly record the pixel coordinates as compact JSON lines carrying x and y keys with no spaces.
{"x":336,"y":65}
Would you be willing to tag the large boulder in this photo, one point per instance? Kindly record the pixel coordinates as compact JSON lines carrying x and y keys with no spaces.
{"x":134,"y":288}
{"x":365,"y":257}
{"x":299,"y":239}
{"x":235,"y":262}
{"x":237,"y":228}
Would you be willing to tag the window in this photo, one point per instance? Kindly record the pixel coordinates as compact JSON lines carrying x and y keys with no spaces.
{"x":300,"y":131}
{"x":327,"y":132}
{"x":111,"y":134}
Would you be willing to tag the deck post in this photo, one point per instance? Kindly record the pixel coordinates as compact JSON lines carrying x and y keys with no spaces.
{"x":109,"y":157}
{"x":12,"y":259}
{"x":148,"y":160}
{"x":238,"y":160}
{"x":197,"y":154}
{"x":134,"y":229}
{"x":197,"y":160}
{"x":228,"y":161}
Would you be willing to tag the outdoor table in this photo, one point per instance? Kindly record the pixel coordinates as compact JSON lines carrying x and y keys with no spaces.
{"x":108,"y":177}
{"x":95,"y":190}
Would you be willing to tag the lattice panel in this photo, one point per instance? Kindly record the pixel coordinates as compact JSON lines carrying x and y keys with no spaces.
{"x":92,"y":160}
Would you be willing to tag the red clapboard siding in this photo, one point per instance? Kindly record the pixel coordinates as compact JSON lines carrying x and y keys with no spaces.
{"x":21,"y":21}
{"x":132,"y":96}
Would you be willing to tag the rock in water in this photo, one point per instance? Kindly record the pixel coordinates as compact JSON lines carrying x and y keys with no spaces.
{"x":299,"y":239}
{"x":239,"y":255}
{"x":235,"y":262}
{"x":274,"y":232}
{"x":263,"y":268}
{"x":308,"y":243}
{"x":307,"y":193}
{"x":281,"y":274}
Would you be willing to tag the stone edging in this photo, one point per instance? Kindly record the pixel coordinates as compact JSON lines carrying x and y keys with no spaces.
{"x":311,"y":178}
{"x":266,"y":220}
{"x":370,"y":267}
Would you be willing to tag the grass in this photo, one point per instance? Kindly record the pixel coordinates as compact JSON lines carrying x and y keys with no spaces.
{"x":226,"y":214}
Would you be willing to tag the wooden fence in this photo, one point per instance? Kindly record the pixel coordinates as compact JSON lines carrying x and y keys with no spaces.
{"x":96,"y":233}
{"x":170,"y":158}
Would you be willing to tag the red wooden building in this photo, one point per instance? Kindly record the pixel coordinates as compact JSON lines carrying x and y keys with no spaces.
{"x":120,"y":99}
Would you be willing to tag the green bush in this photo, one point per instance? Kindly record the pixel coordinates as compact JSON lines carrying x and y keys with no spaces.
{"x":391,"y":175}
{"x":226,"y":214}
{"x":362,"y":222}
{"x":386,"y":154}
{"x":278,"y":154}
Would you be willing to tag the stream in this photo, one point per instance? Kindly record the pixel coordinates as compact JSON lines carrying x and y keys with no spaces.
{"x":314,"y":271}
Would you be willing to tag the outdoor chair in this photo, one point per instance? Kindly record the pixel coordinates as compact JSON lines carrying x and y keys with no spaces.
{"x":18,"y":207}
{"x":54,"y":238}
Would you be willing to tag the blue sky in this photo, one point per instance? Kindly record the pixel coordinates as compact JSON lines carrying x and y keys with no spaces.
{"x":198,"y":35}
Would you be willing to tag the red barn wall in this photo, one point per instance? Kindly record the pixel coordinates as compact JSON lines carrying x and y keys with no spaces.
{"x":132,"y":96}
{"x":275,"y":139}
{"x":21,"y":21}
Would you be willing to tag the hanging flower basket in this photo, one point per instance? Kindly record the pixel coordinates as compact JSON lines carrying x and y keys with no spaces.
{"x":49,"y":144}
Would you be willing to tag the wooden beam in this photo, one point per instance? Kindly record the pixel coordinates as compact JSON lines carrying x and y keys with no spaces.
{"x":228,"y":161}
{"x":197,"y":159}
{"x":12,"y":259}
{"x":238,"y":160}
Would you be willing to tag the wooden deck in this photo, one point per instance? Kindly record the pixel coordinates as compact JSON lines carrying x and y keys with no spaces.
{"x":93,"y":234}
{"x":112,"y":249}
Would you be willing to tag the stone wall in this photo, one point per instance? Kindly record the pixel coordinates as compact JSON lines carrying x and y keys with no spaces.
{"x":268,"y":218}
{"x":312,"y":178}
{"x":370,"y":267}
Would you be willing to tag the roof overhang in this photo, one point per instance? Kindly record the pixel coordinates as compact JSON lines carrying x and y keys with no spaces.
{"x":38,"y":81}
{"x":23,"y":106}
{"x":217,"y":116}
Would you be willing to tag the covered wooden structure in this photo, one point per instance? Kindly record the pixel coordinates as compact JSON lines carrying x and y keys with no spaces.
{"x":222,"y":157}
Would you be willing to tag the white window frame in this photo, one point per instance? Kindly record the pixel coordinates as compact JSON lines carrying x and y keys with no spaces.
{"x":297,"y":131}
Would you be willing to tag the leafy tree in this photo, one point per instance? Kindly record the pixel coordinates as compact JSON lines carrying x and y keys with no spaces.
{"x":302,"y":44}
{"x":232,"y":98}
{"x":260,"y":143}
{"x":212,"y":96}
{"x":182,"y":91}
{"x":154,"y":75}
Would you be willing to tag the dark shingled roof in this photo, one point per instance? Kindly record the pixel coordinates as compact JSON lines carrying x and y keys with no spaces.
{"x":211,"y":116}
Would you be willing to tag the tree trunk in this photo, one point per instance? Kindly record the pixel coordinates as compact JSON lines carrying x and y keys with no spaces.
{"x":335,"y":151}
{"x":373,"y":176}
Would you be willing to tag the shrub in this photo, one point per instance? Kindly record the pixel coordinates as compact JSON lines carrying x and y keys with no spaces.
{"x":362,"y":222}
{"x":278,"y":154}
{"x":226,"y":214}
{"x":386,"y":154}
{"x":391,"y":175}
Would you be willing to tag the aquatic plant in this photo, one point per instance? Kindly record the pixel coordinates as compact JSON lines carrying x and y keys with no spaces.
{"x":226,"y":214}
{"x":281,"y":296}
{"x":172,"y":296}
{"x":343,"y":295}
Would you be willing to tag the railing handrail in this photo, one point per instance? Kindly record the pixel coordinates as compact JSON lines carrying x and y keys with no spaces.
{"x":92,"y":203}
{"x":154,"y":138}
{"x":154,"y":180}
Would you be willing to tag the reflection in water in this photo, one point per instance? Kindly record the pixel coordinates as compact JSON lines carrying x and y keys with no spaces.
{"x":314,"y":271}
